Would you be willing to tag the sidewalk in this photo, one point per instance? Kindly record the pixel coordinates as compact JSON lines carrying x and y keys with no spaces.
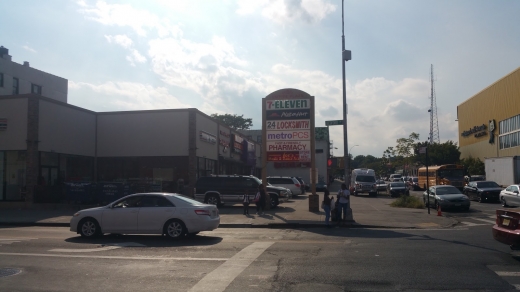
{"x":368,"y":212}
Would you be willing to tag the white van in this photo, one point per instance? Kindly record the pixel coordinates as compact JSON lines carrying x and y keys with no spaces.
{"x":363,"y":180}
{"x":395,"y":177}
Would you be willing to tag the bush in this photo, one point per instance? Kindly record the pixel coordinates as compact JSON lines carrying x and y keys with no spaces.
{"x":408,"y":202}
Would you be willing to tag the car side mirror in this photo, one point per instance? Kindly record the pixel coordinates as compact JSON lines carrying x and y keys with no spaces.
{"x":516,"y":192}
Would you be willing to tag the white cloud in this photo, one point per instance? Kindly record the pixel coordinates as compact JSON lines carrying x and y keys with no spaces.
{"x":284,"y":11}
{"x":116,"y":96}
{"x":141,"y":21}
{"x":27,"y":48}
{"x":122,"y":40}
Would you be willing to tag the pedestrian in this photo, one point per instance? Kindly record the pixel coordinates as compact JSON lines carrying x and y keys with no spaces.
{"x":260,"y":200}
{"x":326,"y":205}
{"x":344,"y":202}
{"x":245,"y":202}
{"x":333,"y":216}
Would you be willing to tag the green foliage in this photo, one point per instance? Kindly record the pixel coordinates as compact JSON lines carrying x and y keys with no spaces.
{"x":408,"y":202}
{"x":438,"y":153}
{"x":473,"y":166}
{"x":235,"y":122}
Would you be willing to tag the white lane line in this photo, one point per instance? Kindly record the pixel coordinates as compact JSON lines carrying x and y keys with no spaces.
{"x":484,"y":220}
{"x":108,"y":246}
{"x":221,"y":277}
{"x":472,"y":224}
{"x":84,"y":249}
{"x":110,"y":257}
{"x":507,"y":274}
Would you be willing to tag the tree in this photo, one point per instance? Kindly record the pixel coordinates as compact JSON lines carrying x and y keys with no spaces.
{"x":438,"y":153}
{"x":473,"y":166}
{"x":235,"y":122}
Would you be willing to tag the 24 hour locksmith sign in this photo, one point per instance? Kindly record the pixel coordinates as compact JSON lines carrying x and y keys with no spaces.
{"x":288,"y":116}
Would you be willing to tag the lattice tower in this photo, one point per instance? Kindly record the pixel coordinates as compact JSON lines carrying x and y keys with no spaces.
{"x":434,"y":121}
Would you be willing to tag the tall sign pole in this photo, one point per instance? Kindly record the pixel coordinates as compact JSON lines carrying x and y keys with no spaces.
{"x":345,"y":56}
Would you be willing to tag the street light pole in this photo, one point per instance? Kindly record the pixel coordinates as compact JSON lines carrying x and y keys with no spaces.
{"x":345,"y":56}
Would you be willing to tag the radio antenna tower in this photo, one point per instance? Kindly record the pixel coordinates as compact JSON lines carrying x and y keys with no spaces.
{"x":434,"y":122}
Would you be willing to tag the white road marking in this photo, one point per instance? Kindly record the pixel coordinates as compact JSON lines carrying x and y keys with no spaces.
{"x":108,"y":246}
{"x":484,"y":220}
{"x":221,"y":277}
{"x":472,"y":224}
{"x":507,"y":274}
{"x":110,"y":257}
{"x":13,"y":240}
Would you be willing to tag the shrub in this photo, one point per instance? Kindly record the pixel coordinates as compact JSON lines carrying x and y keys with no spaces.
{"x":408,"y":202}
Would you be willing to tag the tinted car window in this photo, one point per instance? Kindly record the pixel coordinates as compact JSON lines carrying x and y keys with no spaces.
{"x":397,"y":185}
{"x":487,"y":184}
{"x":447,"y":190}
{"x":155,"y":201}
{"x":131,"y":202}
{"x":280,"y":181}
{"x":208,"y":181}
{"x":365,"y":178}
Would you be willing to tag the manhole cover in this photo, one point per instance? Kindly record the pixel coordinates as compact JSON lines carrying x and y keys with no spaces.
{"x":6,"y":272}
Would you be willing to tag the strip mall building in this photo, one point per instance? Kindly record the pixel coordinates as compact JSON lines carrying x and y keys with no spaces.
{"x":489,"y":122}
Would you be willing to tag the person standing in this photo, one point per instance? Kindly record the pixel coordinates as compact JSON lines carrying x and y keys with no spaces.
{"x":260,"y":200}
{"x":326,"y":204}
{"x":344,"y":202}
{"x":245,"y":202}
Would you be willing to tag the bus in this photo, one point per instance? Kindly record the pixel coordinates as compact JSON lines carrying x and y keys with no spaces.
{"x":447,"y":174}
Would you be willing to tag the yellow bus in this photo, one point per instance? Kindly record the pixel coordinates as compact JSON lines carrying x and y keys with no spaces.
{"x":447,"y":174}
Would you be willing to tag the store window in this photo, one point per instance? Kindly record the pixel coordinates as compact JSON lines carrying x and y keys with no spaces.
{"x":509,"y":132}
{"x":206,"y":167}
{"x":12,"y":175}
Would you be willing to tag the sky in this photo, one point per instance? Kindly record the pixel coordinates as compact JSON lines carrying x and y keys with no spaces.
{"x":225,"y":56}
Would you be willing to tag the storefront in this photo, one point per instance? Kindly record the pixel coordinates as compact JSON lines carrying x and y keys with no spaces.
{"x":489,"y":122}
{"x":51,"y":151}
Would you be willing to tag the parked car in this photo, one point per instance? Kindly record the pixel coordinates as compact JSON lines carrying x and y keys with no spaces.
{"x":381,"y":185}
{"x":395,"y":177}
{"x":287,"y":182}
{"x":396,"y":189}
{"x":218,"y":190}
{"x":471,"y":178}
{"x":509,"y":196}
{"x":507,"y":228}
{"x":303,"y":185}
{"x":483,"y":191}
{"x":413,"y":183}
{"x":321,"y":186}
{"x":149,"y":213}
{"x":446,"y":197}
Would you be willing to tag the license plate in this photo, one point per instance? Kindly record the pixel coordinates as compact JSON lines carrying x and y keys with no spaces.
{"x":505,"y":222}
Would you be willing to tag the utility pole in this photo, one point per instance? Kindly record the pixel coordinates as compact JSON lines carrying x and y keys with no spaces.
{"x":345,"y":56}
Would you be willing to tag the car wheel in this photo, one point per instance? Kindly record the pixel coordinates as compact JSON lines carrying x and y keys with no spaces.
{"x":504,"y":203}
{"x":212,"y":200}
{"x":274,"y":201}
{"x":89,"y":228}
{"x":174,"y":229}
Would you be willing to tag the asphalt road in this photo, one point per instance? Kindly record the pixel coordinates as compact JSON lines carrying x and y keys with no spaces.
{"x":464,"y":258}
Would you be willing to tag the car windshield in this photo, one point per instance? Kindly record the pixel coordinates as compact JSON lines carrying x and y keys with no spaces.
{"x":188,"y":200}
{"x":476,"y":178}
{"x":365,"y":178}
{"x":487,"y":184}
{"x":397,"y":185}
{"x":447,"y":190}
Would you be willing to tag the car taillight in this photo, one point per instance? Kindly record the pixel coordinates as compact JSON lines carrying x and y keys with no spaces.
{"x":202,"y":212}
{"x":297,"y":185}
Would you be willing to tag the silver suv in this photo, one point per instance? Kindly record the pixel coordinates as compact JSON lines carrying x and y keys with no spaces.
{"x":289,"y":183}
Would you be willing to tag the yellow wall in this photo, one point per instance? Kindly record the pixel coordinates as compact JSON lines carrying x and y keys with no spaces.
{"x":499,"y":101}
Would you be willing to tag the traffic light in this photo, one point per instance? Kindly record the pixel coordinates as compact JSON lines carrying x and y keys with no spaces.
{"x":329,"y":162}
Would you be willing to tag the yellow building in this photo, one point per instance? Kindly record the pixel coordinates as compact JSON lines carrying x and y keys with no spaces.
{"x":489,"y":122}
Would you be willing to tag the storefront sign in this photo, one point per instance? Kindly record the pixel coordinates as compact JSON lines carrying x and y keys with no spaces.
{"x":288,"y":135}
{"x":297,"y":156}
{"x":3,"y":124}
{"x":479,"y":131}
{"x":287,"y":104}
{"x":288,"y":125}
{"x":288,"y":145}
{"x":223,"y":142}
{"x":237,"y":144}
{"x":225,"y":134}
{"x":207,"y":137}
{"x":288,"y":114}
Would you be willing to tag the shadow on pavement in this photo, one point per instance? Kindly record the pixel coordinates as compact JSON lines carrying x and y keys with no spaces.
{"x":148,"y":240}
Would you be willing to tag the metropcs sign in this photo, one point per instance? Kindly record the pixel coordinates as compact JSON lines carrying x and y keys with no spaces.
{"x":288,"y":119}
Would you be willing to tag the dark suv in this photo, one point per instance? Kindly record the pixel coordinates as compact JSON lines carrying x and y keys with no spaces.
{"x":218,"y":190}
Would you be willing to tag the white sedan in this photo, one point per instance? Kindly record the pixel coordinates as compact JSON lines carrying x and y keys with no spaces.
{"x":149,"y":213}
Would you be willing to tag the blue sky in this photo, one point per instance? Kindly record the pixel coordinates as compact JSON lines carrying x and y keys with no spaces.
{"x":225,"y":56}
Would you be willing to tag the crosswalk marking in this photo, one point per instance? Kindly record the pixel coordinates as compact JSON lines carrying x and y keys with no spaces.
{"x":472,"y":224}
{"x":507,"y":274}
{"x":484,"y":220}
